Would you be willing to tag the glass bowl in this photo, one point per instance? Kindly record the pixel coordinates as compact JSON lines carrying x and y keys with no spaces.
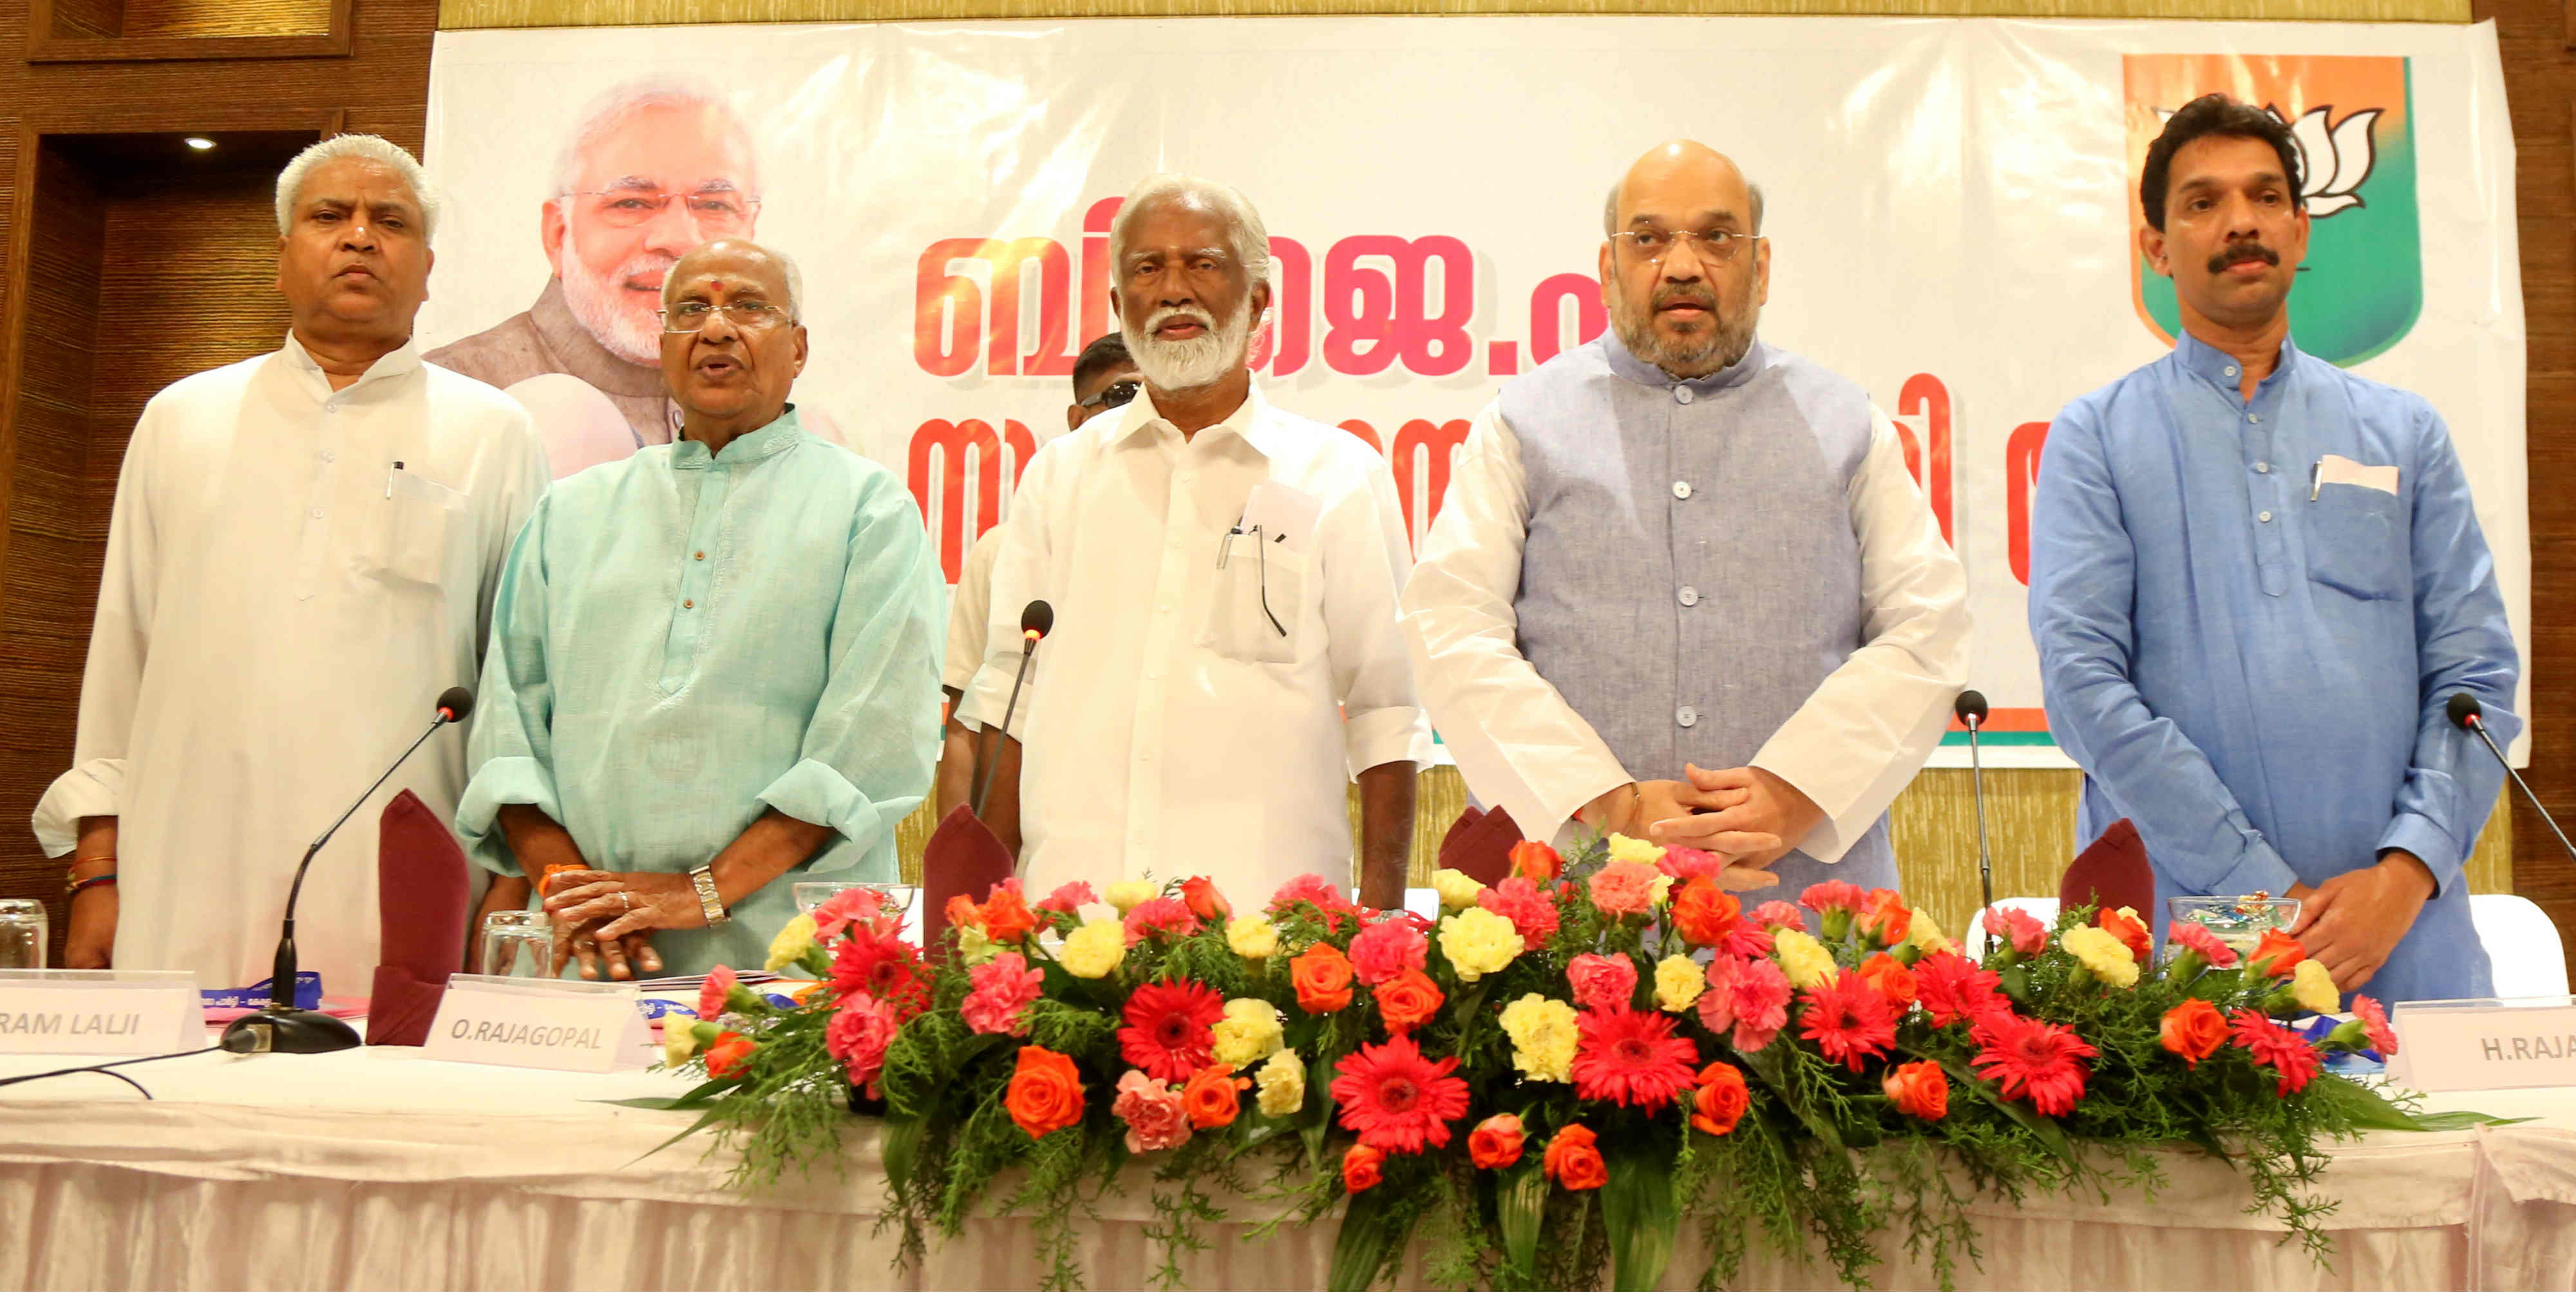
{"x":2237,"y":922}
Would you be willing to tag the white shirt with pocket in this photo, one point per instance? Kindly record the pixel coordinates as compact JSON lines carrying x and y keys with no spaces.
{"x":1226,"y":655}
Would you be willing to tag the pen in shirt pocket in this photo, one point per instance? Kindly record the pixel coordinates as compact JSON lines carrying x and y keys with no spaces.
{"x":2316,"y":478}
{"x":389,"y":479}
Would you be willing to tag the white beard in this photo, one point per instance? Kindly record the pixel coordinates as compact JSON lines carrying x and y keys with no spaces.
{"x":1199,"y":361}
{"x":600,"y":306}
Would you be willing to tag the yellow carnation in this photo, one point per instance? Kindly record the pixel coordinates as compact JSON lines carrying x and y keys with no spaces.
{"x":1543,"y":1037}
{"x":1094,"y":949}
{"x":1249,"y":1032}
{"x":679,"y":1040}
{"x":1660,"y":890}
{"x":794,"y":939}
{"x":1252,"y":937}
{"x":1803,"y":959}
{"x":1678,"y":982}
{"x":1128,"y":894}
{"x":973,"y":946}
{"x":2102,"y":952}
{"x":1279,"y":1088}
{"x":2314,"y":988}
{"x":1457,"y":890}
{"x":1478,"y":942}
{"x":1927,"y":937}
{"x":1623,"y":848}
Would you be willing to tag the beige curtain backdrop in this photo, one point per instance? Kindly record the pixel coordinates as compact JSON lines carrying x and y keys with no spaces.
{"x":2030,"y":814}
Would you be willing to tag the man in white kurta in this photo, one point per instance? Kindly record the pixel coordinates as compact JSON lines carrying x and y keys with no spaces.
{"x":294,"y":572}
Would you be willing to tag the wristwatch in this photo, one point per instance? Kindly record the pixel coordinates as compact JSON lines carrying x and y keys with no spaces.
{"x":709,"y":903}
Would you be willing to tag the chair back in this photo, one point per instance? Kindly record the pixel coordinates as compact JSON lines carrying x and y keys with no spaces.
{"x":1479,"y":845}
{"x":422,"y":905}
{"x":2112,"y":872}
{"x":964,"y":858}
{"x":2522,"y":943}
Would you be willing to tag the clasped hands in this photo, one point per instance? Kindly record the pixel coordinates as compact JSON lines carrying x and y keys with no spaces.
{"x":608,"y":917}
{"x":1746,"y":815}
{"x":2350,"y":923}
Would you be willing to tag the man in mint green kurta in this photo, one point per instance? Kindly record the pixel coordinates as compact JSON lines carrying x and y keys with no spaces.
{"x":718,"y":655}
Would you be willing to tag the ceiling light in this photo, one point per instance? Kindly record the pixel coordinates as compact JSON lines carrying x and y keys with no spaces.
{"x":198,"y":142}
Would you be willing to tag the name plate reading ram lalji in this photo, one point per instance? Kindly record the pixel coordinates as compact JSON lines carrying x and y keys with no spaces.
{"x":100,"y":1011}
{"x":2485,"y":1044}
{"x":540,"y":1023}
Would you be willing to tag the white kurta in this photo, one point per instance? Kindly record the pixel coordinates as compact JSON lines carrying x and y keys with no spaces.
{"x":293,"y":575}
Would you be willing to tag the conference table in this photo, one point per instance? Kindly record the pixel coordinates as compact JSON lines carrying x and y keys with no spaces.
{"x":377,"y":1168}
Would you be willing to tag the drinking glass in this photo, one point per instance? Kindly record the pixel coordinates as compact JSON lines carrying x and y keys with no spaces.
{"x":23,"y":934}
{"x":813,"y":893}
{"x":518,"y":944}
{"x":2237,"y":922}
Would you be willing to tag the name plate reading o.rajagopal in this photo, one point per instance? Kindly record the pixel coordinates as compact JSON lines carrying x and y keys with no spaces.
{"x":532,"y":1023}
{"x":100,"y":1011}
{"x":2485,"y":1044}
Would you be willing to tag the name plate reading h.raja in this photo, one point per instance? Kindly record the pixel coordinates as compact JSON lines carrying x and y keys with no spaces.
{"x":100,"y":1011}
{"x":2485,"y":1044}
{"x":540,"y":1023}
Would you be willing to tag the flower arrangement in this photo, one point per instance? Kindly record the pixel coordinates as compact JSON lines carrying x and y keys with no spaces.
{"x":1601,"y":1050}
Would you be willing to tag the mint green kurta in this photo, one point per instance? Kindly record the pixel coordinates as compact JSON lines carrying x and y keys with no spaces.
{"x":683,"y":640}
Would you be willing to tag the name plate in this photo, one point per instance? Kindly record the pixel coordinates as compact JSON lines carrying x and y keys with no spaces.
{"x":100,"y":1011}
{"x":540,"y":1023}
{"x":2485,"y":1044}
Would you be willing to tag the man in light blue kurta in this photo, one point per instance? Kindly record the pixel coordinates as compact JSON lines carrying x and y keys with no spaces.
{"x":710,"y":660}
{"x":2255,"y":581}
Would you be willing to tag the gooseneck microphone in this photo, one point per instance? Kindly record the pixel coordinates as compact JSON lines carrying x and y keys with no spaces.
{"x":1970,"y":709}
{"x":2468,"y":715}
{"x":279,"y":1027}
{"x":1037,"y":619}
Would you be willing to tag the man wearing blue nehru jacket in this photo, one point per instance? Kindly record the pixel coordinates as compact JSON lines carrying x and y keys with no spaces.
{"x":2255,"y":580}
{"x":1678,"y":569}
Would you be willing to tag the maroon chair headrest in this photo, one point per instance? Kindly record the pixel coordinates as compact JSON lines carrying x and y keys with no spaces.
{"x":1479,"y":845}
{"x":422,"y":904}
{"x":2111,"y":872}
{"x":964,"y":857}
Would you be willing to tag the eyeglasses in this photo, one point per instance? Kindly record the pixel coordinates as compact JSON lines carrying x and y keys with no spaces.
{"x":1717,"y":246}
{"x":1117,"y":394}
{"x":690,"y":316}
{"x":715,"y":213}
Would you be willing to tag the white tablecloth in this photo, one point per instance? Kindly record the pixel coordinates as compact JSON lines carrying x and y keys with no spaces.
{"x":379,"y":1169}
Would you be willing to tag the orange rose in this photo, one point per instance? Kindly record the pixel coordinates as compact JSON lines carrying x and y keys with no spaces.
{"x":1322,"y":976}
{"x":1204,"y":901}
{"x":2129,"y":930}
{"x":1496,"y":1142}
{"x":1212,"y":1097}
{"x":1573,"y":1162}
{"x":1890,"y":980}
{"x":1704,"y":913}
{"x":1535,"y":862}
{"x":962,"y":912}
{"x":1360,"y":1167}
{"x":1408,"y":1002}
{"x":2193,"y":1029}
{"x":1721,"y":1100}
{"x":1884,"y":917}
{"x":1045,"y":1094}
{"x":728,"y":1053}
{"x":1007,"y":917}
{"x":1919,"y":1089}
{"x":2281,"y":949}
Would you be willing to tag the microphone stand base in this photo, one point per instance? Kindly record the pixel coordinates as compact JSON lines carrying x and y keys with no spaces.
{"x":288,"y":1031}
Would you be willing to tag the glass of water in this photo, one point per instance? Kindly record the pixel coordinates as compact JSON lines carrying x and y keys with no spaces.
{"x":813,"y":893}
{"x":518,"y":944}
{"x":24,"y":934}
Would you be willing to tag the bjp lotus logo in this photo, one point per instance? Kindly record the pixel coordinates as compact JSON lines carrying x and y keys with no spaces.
{"x":2362,"y":285}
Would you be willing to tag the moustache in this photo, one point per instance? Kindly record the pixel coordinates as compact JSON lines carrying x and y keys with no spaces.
{"x":1180,"y":313}
{"x":1671,"y":295}
{"x":2242,"y":253}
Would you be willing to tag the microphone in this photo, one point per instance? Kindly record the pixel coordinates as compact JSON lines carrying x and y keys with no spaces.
{"x":1970,"y":709}
{"x":279,"y":1027}
{"x":1037,"y":619}
{"x":2468,"y":715}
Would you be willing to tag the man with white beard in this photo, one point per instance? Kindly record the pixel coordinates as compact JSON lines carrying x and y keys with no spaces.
{"x":653,"y":169}
{"x":1225,"y":657}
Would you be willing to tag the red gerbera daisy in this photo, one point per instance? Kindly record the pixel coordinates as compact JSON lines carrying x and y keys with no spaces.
{"x":1954,"y":989}
{"x":1398,"y":1100}
{"x":2032,"y":1060}
{"x":1167,"y":1028}
{"x":1848,"y":1020}
{"x":2277,"y":1047}
{"x":1631,"y":1057}
{"x":886,"y":968}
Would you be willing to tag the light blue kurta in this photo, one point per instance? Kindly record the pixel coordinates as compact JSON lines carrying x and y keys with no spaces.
{"x":684,"y":640}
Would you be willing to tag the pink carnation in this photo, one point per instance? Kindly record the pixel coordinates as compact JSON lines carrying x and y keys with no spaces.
{"x":1169,"y":916}
{"x":1777,"y":914}
{"x":1002,"y":988}
{"x":862,"y":906}
{"x":1383,"y":951}
{"x":1603,"y":982}
{"x":1532,"y":913}
{"x":1316,"y":891}
{"x":2374,"y":1024}
{"x":1691,"y":863}
{"x":2027,"y":936}
{"x":1069,"y":898}
{"x":712,"y":993}
{"x":1624,"y":888}
{"x":858,"y":1035}
{"x":1832,"y":895}
{"x":1155,"y":1115}
{"x":1750,"y":996}
{"x":2195,"y":936}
